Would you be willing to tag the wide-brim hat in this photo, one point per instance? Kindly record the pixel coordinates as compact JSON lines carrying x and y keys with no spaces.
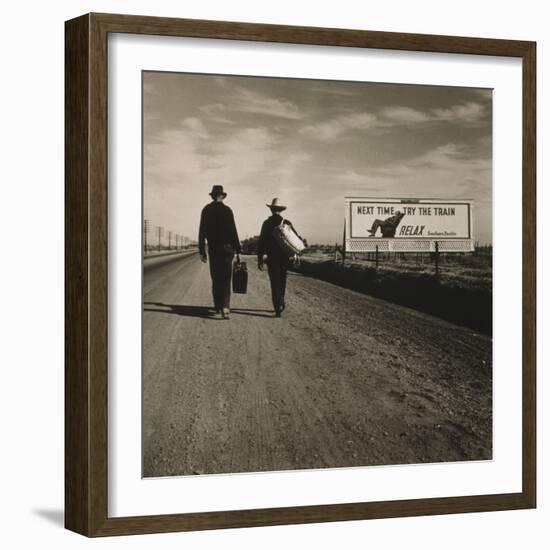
{"x":276,"y":205}
{"x":217,"y":190}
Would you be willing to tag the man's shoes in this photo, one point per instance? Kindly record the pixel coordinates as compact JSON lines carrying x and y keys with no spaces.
{"x":225,"y":313}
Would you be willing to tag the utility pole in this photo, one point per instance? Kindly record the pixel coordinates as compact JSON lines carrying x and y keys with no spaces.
{"x":169,"y":240}
{"x":146,"y":229}
{"x":160,"y":231}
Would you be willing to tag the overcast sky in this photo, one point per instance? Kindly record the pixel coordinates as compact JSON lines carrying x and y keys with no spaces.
{"x":311,"y":143}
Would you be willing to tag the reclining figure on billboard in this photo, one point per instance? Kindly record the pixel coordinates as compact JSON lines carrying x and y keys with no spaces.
{"x":388,"y":227}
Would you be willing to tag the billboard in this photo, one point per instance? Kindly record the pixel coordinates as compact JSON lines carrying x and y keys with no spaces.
{"x":408,"y":225}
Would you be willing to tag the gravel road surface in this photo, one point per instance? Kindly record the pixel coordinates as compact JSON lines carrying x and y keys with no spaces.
{"x":342,"y":379}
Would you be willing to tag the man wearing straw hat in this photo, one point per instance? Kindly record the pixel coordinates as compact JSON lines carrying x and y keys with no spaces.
{"x":217,"y":228}
{"x":277,"y":259}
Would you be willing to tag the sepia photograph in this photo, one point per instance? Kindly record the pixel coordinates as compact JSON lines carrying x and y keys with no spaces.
{"x":317,"y":275}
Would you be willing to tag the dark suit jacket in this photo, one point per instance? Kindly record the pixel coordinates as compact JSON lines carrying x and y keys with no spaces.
{"x":217,"y":227}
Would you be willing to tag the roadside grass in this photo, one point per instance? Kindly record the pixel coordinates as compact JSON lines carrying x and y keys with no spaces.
{"x":462,"y":294}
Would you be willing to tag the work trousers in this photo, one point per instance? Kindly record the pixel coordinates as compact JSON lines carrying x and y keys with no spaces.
{"x":277,"y":269}
{"x":221,"y":267}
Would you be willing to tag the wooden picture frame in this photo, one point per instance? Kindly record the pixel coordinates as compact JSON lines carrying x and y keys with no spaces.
{"x":86,"y":222}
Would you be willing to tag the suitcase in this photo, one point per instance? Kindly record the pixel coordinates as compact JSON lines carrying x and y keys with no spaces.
{"x":240,"y":277}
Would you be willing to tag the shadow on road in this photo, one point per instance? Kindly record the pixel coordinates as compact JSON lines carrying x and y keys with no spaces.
{"x":201,"y":311}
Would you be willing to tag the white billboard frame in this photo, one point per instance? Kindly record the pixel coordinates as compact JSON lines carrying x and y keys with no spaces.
{"x":407,"y":244}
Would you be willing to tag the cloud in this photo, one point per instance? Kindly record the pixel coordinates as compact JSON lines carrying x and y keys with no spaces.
{"x":191,"y":153}
{"x":261,"y":139}
{"x":290,"y":163}
{"x":215,"y":113}
{"x":466,"y":113}
{"x":195,"y":126}
{"x":332,"y":129}
{"x":254,"y":102}
{"x":331,"y":90}
{"x":482,"y":93}
{"x":446,"y":172}
{"x":403,"y":115}
{"x":182,"y":164}
{"x":352,"y":177}
{"x":246,"y":101}
{"x":212,"y":109}
{"x":391,"y":117}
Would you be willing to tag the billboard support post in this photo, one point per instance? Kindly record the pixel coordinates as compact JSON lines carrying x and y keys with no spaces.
{"x":376,"y":257}
{"x":344,"y":245}
{"x":437,"y":259}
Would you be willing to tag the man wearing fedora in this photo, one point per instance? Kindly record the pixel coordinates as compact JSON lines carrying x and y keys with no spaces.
{"x":277,"y":259}
{"x":217,"y":228}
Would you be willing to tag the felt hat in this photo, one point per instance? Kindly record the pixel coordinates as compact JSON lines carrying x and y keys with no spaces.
{"x":217,"y":190}
{"x":276,"y":205}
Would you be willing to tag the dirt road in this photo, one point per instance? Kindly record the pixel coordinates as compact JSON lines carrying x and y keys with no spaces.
{"x":342,"y":379}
